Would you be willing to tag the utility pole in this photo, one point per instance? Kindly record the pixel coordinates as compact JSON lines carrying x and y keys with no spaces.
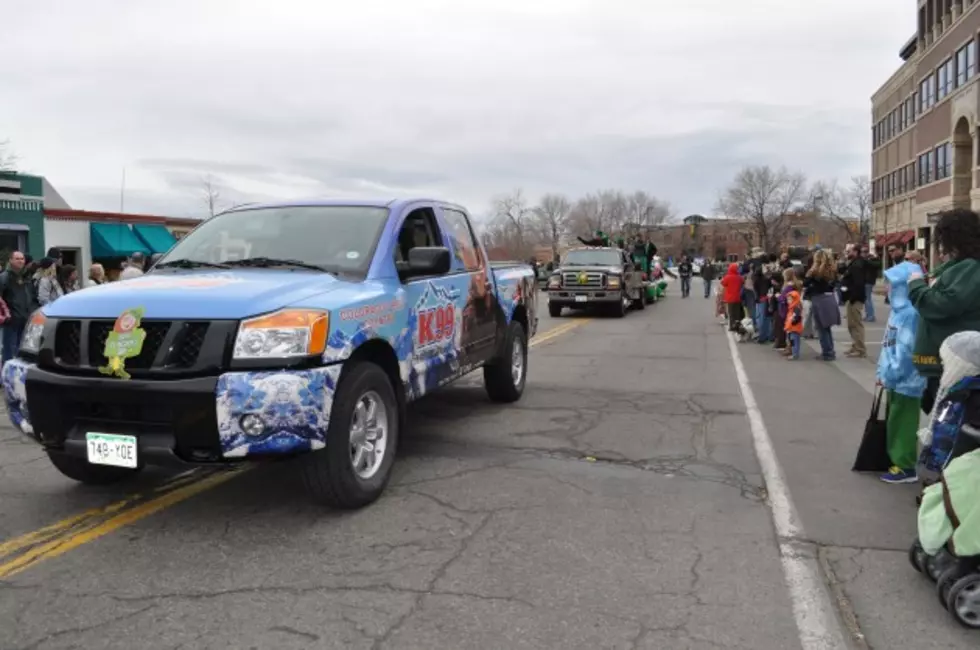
{"x":122,"y":192}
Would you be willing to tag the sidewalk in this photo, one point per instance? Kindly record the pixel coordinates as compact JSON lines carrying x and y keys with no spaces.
{"x":815,"y":413}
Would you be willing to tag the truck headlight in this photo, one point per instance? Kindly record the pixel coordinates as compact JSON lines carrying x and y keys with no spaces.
{"x":283,"y":334}
{"x":31,"y":340}
{"x":612,"y":282}
{"x":554,"y":282}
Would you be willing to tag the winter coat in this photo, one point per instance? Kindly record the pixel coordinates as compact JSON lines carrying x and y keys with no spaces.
{"x":794,"y":312}
{"x":950,"y":510}
{"x":48,"y":288}
{"x":896,"y":370}
{"x":950,"y":305}
{"x":732,"y":282}
{"x":783,"y":308}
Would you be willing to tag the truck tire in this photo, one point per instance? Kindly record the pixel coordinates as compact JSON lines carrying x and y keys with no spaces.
{"x":330,"y":474}
{"x":505,"y":378}
{"x":79,"y":469}
{"x":554,"y":310}
{"x":620,"y":308}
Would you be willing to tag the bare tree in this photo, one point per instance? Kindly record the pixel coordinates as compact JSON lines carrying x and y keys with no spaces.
{"x":210,"y":195}
{"x":8,"y":159}
{"x":552,"y":219}
{"x":613,"y":209}
{"x":513,"y":217}
{"x":861,"y":201}
{"x":848,"y":207}
{"x":644,"y":211}
{"x":588,"y":215}
{"x":763,"y":198}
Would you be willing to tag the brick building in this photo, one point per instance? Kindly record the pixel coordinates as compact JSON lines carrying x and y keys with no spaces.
{"x":732,"y":240}
{"x":924,"y":128}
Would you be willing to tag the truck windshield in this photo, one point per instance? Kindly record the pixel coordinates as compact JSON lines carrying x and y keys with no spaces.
{"x":598,"y":257}
{"x":339,"y":239}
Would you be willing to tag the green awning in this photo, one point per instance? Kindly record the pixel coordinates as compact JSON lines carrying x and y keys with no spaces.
{"x":155,"y":236}
{"x":114,"y":240}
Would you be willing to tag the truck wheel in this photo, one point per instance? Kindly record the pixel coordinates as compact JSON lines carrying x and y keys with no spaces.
{"x":354,"y":468}
{"x":619,"y":309}
{"x":79,"y":469}
{"x":554,"y":310}
{"x":505,"y":378}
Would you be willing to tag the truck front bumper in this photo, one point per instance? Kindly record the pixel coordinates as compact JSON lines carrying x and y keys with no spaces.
{"x":583,"y":297}
{"x":179,"y":421}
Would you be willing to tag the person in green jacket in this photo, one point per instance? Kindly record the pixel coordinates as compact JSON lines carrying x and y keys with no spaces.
{"x":948,"y":299}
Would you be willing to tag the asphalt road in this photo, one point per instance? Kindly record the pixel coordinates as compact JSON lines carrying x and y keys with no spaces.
{"x":620,"y":504}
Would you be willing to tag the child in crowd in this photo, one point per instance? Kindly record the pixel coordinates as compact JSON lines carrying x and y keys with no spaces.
{"x":732,"y":283}
{"x":773,"y":309}
{"x":897,"y":374}
{"x":783,"y":309}
{"x":794,"y":312}
{"x":765,"y":334}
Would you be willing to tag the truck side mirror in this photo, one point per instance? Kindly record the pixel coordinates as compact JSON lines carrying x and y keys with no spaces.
{"x":428,"y":260}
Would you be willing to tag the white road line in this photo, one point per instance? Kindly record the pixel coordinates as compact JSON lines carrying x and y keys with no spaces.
{"x":818,"y":626}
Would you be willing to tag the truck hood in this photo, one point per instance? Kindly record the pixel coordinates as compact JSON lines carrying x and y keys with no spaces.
{"x":217,"y":295}
{"x":590,"y":269}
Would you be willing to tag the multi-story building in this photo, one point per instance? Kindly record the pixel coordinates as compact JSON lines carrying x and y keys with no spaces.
{"x":732,"y":240}
{"x":924,"y":128}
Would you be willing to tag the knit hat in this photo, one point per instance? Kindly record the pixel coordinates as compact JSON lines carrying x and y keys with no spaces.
{"x":960,"y":356}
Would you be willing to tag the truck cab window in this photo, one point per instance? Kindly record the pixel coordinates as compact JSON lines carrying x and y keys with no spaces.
{"x":418,"y":230}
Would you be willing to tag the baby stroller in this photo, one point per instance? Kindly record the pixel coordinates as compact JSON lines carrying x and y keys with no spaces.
{"x":958,"y":408}
{"x":947,"y":549}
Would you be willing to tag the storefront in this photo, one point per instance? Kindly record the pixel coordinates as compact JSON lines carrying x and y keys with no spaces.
{"x":21,"y":215}
{"x":85,"y":237}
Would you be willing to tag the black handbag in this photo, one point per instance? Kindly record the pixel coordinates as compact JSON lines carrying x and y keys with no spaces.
{"x":873,"y":456}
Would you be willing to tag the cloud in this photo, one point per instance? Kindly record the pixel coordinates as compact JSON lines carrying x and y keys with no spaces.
{"x":456,"y":100}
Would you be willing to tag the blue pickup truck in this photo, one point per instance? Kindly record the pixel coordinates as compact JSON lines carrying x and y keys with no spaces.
{"x":272,"y":331}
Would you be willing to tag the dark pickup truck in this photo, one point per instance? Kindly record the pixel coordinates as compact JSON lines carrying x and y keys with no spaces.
{"x":594,"y":277}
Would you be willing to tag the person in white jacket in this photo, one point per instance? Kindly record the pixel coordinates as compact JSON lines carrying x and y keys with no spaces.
{"x":134,"y":267}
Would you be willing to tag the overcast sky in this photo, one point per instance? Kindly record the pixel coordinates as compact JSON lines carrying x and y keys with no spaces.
{"x":459,"y":99}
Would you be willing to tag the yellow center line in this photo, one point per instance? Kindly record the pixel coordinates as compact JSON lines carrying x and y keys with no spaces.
{"x":550,"y":335}
{"x":27,"y":550}
{"x":61,"y":544}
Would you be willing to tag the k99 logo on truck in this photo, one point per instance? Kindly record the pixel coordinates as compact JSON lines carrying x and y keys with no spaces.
{"x":436,"y":313}
{"x":436,"y":325}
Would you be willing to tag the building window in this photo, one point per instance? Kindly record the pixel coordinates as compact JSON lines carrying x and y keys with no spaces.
{"x":944,"y":161}
{"x":913,"y":106}
{"x":961,"y":74}
{"x":945,"y":79}
{"x":966,"y":63}
{"x":925,"y":168}
{"x":927,"y":93}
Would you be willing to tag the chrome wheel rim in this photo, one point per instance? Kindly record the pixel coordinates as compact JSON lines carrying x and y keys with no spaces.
{"x":517,"y":362}
{"x":368,"y":435}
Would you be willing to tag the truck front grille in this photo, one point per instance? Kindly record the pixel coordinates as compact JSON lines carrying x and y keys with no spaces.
{"x":183,"y":340}
{"x":99,"y":330}
{"x":590,"y":280}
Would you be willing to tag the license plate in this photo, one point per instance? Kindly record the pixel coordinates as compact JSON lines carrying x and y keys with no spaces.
{"x":581,"y":299}
{"x":111,"y":449}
